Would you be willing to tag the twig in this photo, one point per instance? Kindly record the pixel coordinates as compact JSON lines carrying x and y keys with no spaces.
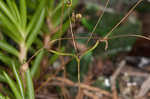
{"x":83,"y":86}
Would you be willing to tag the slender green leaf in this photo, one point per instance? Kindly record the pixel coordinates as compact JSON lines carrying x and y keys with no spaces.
{"x":10,"y":34}
{"x":9,"y":2}
{"x":36,"y":63}
{"x":12,"y":86}
{"x":35,"y":31}
{"x":35,"y":16}
{"x":18,"y":79}
{"x":23,"y":11}
{"x":10,"y":26}
{"x":5,"y":59}
{"x":6,"y":10}
{"x":5,"y":46}
{"x":15,"y":8}
{"x":30,"y":88}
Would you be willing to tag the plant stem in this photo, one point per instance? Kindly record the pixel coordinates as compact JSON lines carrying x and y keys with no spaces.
{"x":79,"y":87}
{"x":23,"y":52}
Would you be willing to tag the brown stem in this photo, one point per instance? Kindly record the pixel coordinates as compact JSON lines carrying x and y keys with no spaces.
{"x":23,"y":52}
{"x":22,"y":58}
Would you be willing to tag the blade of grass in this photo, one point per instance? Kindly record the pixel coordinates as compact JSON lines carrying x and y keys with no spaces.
{"x":12,"y":86}
{"x":23,"y":12}
{"x":36,"y":63}
{"x":35,"y":16}
{"x":9,"y":34}
{"x":14,"y":10}
{"x":5,"y":59}
{"x":9,"y":2}
{"x":30,"y":88}
{"x":10,"y":26}
{"x":35,"y":31}
{"x":18,"y":79}
{"x":9,"y":48}
{"x":6,"y":10}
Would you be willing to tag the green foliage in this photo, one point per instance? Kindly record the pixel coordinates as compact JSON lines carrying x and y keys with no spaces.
{"x":17,"y":86}
{"x":131,"y":26}
{"x":23,"y":24}
{"x":21,"y":21}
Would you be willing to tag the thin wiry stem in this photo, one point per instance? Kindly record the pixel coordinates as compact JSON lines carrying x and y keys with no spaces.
{"x":98,"y":21}
{"x":129,"y":35}
{"x":73,"y":37}
{"x":95,"y":38}
{"x":79,"y":81}
{"x":131,"y":10}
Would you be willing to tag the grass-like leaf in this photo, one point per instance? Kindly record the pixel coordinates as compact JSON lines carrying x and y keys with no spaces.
{"x":30,"y":88}
{"x":9,"y":25}
{"x":19,"y":81}
{"x":9,"y":3}
{"x":15,"y":8}
{"x":5,"y":59}
{"x":35,"y":16}
{"x":36,"y":63}
{"x":9,"y":48}
{"x":12,"y":86}
{"x":23,"y":12}
{"x":36,"y":29}
{"x":6,"y":10}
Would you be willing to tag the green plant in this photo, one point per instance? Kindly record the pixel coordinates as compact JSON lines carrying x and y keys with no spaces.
{"x":21,"y":24}
{"x":26,"y":29}
{"x":16,"y":25}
